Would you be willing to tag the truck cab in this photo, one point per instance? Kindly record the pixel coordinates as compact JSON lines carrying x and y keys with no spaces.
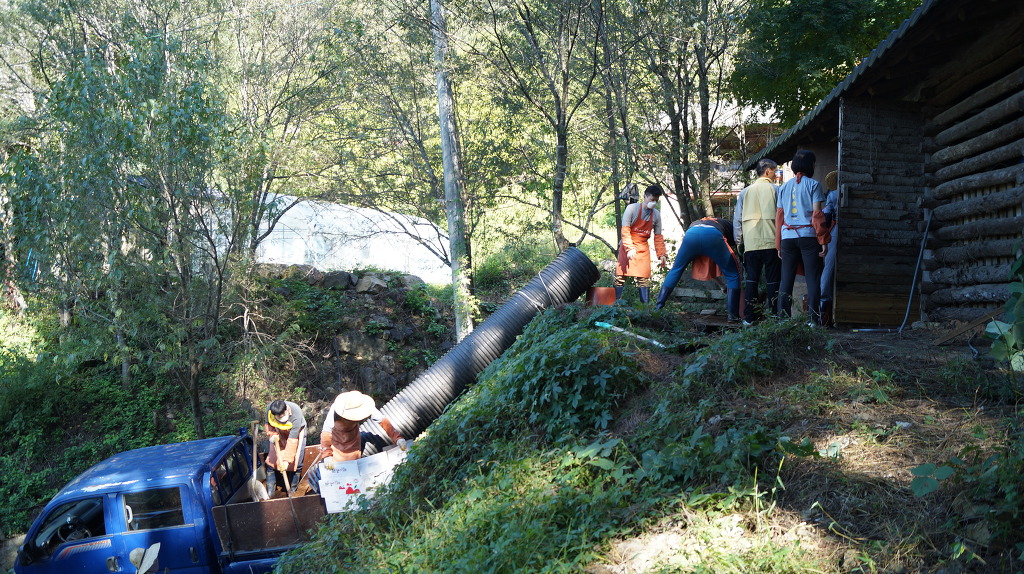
{"x":193,"y":498}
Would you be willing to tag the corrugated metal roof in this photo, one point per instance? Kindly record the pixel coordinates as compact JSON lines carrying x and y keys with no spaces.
{"x":833,"y":97}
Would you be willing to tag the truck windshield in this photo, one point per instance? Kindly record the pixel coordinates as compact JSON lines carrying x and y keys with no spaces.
{"x":75,"y":520}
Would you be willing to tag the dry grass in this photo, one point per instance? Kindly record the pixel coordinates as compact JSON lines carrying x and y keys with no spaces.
{"x":884,"y":403}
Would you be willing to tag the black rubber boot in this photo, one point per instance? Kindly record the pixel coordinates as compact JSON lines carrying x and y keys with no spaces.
{"x":733,"y":304}
{"x":645,"y":294}
{"x":618,"y":293}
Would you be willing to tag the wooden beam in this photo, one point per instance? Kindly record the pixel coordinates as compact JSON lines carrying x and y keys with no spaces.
{"x":976,"y":251}
{"x":999,"y":89}
{"x":971,"y":275}
{"x":968,"y":78}
{"x":985,"y":227}
{"x":984,"y":293}
{"x":970,"y":207}
{"x":995,"y":114}
{"x":978,"y":144}
{"x":1013,"y":174}
{"x":1011,"y":153}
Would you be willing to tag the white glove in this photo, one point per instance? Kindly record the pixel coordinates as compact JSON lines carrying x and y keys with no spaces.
{"x":631,"y":254}
{"x":401,"y":443}
{"x":329,"y":463}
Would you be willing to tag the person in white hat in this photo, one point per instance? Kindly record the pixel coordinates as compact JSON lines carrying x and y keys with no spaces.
{"x":340,"y":438}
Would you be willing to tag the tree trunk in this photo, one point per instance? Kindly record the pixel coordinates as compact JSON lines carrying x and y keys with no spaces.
{"x":704,"y":101}
{"x":610,"y":91}
{"x":558,"y":182}
{"x":453,"y":178}
{"x":197,"y":406}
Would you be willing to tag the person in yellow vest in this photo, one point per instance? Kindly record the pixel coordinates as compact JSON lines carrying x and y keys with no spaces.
{"x":754,"y":229}
{"x":639,"y":222}
{"x":286,"y":427}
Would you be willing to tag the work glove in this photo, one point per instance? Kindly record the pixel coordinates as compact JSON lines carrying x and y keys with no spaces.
{"x":401,"y":443}
{"x":329,"y":463}
{"x":663,"y":261}
{"x":275,"y":437}
{"x":631,"y":254}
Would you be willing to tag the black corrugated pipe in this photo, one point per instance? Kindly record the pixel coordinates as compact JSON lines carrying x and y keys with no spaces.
{"x":413,"y":409}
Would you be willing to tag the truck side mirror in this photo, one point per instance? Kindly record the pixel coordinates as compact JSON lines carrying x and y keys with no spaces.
{"x":27,"y":553}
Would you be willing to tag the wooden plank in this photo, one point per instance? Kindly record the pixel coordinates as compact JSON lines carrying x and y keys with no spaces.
{"x":984,"y":318}
{"x":873,"y":308}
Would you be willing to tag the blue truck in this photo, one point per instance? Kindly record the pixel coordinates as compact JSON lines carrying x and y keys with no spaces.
{"x":190,"y":504}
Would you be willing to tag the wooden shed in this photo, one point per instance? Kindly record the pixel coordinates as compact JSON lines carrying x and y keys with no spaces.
{"x":927,"y":134}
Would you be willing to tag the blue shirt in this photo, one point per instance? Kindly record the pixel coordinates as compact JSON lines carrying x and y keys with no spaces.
{"x":796,"y":200}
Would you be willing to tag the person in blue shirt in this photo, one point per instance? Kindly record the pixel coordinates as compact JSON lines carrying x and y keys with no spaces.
{"x":801,"y":237}
{"x":828,"y":272}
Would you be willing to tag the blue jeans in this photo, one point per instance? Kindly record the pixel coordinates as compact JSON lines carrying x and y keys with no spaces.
{"x":828,"y":272}
{"x":701,"y":240}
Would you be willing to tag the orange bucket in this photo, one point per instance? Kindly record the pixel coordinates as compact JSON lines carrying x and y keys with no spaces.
{"x":600,"y":296}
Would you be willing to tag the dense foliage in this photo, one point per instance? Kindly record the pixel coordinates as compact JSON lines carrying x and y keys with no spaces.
{"x":794,"y":52}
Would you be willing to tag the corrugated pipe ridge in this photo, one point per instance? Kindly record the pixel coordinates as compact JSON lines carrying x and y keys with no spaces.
{"x":413,"y":409}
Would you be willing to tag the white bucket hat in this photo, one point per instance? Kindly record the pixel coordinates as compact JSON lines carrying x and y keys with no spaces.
{"x":353,"y":406}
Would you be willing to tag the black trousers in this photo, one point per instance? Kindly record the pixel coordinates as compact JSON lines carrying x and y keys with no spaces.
{"x":795,"y":251}
{"x":753,"y":263}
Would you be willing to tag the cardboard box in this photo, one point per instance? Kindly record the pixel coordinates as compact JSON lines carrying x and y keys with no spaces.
{"x":350,"y":481}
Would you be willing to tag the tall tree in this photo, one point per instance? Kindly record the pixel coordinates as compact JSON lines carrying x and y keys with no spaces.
{"x":793,"y":52}
{"x":451,"y":155}
{"x":545,"y":52}
{"x":120,"y":196}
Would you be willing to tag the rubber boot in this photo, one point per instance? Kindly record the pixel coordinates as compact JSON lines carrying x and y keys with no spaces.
{"x":733,"y":304}
{"x":271,"y":481}
{"x":826,"y":313}
{"x":662,"y":297}
{"x":645,"y":294}
{"x":618,"y":293}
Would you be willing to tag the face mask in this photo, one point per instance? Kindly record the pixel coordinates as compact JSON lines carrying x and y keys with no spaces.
{"x":651,"y":204}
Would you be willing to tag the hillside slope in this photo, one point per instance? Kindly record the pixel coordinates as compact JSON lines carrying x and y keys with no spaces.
{"x":776,"y":448}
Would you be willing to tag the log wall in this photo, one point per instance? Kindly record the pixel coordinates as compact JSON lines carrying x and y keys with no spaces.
{"x":975,"y":172}
{"x":881,"y":174}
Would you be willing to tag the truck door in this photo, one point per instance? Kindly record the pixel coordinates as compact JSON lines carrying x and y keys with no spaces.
{"x":73,"y":537}
{"x":166,"y":515}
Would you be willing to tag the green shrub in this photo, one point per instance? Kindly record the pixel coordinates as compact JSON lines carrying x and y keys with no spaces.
{"x":499,"y":275}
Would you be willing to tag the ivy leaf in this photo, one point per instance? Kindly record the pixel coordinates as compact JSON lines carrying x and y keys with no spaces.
{"x":924,"y":485}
